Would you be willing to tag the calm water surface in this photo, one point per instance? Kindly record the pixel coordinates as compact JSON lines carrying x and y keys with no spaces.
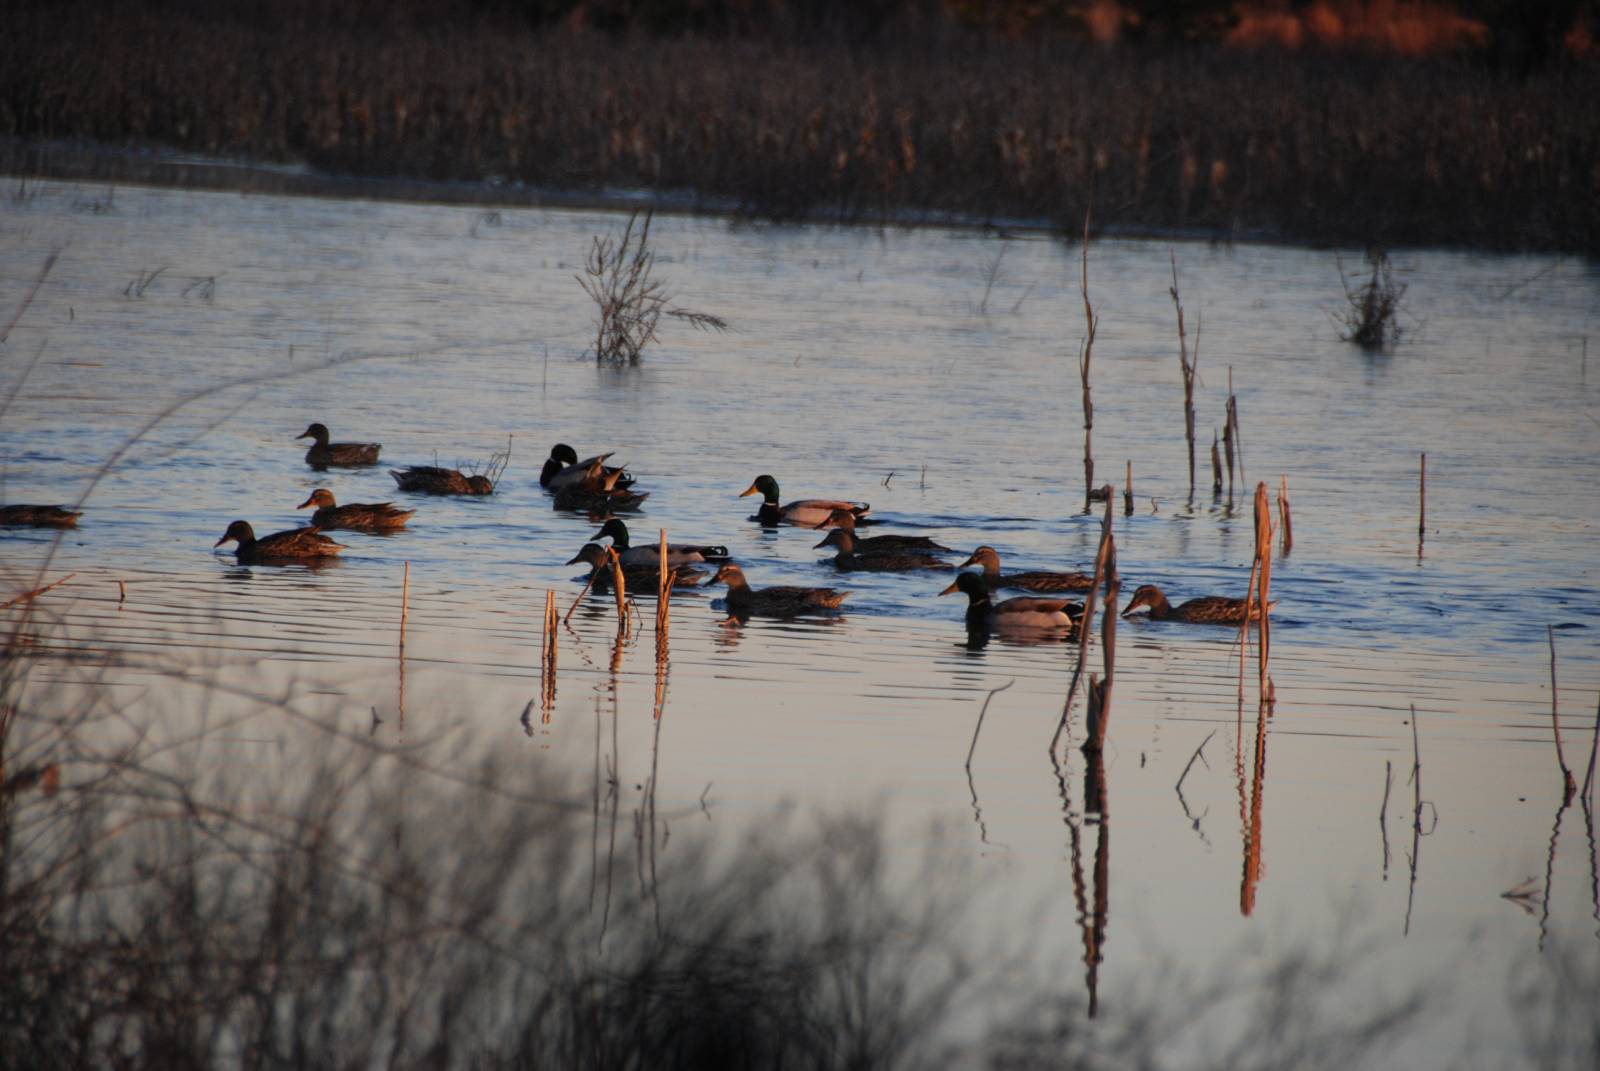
{"x":861,"y":364}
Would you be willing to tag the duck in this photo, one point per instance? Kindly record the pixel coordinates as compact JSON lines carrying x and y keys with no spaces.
{"x":1205,"y":610}
{"x":562,"y":468}
{"x":885,"y":562}
{"x":807,"y":512}
{"x":606,"y":495}
{"x":638,"y":577}
{"x":677,"y":553}
{"x":358,"y":516}
{"x":989,"y":559}
{"x":744,"y":601}
{"x":21,"y":516}
{"x":432,"y":480}
{"x":323,"y":452}
{"x":1022,"y":613}
{"x":843,"y":518}
{"x":296,"y":544}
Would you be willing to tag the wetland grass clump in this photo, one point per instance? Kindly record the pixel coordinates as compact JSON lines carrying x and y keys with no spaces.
{"x":619,"y":277}
{"x":1371,"y":318}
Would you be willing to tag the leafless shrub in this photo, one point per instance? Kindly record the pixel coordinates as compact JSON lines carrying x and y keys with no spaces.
{"x":629,"y":301}
{"x":1371,"y":319}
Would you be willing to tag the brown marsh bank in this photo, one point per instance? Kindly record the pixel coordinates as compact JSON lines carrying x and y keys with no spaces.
{"x":926,"y":122}
{"x":324,"y":778}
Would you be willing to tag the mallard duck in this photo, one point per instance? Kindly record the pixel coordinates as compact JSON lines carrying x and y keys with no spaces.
{"x":743,"y":600}
{"x":639,"y":578}
{"x":807,"y":512}
{"x":1021,"y":613}
{"x":563,"y":468}
{"x":601,"y":496}
{"x":39,"y":517}
{"x":893,"y":561}
{"x":989,"y":558}
{"x":297,"y":544}
{"x":1205,"y":610}
{"x":432,"y":480}
{"x":323,"y":452}
{"x":359,"y":516}
{"x":843,"y":518}
{"x":650,"y":554}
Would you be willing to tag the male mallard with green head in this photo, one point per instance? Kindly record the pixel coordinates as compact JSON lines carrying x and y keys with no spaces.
{"x":639,"y":578}
{"x":294,"y":545}
{"x":1023,"y":613}
{"x":1205,"y":610}
{"x":563,"y":469}
{"x":323,"y":453}
{"x":1036,"y":580}
{"x":650,"y":553}
{"x":807,"y":512}
{"x":357,"y":516}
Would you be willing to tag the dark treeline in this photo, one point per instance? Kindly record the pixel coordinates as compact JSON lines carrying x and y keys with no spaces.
{"x":812,"y":110}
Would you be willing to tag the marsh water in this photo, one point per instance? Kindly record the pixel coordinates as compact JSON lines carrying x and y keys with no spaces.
{"x":190,"y":336}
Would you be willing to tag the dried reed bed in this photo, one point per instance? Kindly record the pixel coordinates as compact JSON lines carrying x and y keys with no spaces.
{"x":1303,"y":146}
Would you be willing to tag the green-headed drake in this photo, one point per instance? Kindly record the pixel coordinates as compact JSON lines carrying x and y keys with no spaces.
{"x":807,"y":512}
{"x":1022,"y":614}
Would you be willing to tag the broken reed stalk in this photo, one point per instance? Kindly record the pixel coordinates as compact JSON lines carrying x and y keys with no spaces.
{"x":1084,"y":628}
{"x":1383,"y":813}
{"x":619,"y":581}
{"x":1216,"y":464}
{"x":1099,"y":716}
{"x":552,"y":621}
{"x":1594,"y":746}
{"x":1283,"y":513}
{"x":587,"y":584}
{"x":1127,"y":493}
{"x":1231,"y":438}
{"x":981,"y":712}
{"x":122,"y":592}
{"x":1085,"y":357}
{"x":405,"y":603}
{"x":29,"y":596}
{"x":1189,"y":365}
{"x":1422,"y":503}
{"x":1568,"y":786}
{"x":1263,"y":593}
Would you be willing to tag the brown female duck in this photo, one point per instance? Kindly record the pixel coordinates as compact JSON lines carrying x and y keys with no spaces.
{"x":358,"y":516}
{"x":323,"y":453}
{"x":891,"y":561}
{"x":843,"y":518}
{"x":603,"y":495}
{"x":744,"y":601}
{"x":21,"y":516}
{"x":432,"y":480}
{"x":1205,"y":610}
{"x":295,"y":545}
{"x":1037,"y":580}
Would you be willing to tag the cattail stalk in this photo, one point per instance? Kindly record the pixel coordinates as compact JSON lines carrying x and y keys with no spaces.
{"x":405,"y":601}
{"x":1422,"y":503}
{"x":1189,"y":366}
{"x":1568,"y":786}
{"x":1127,"y":493}
{"x":1283,"y":513}
{"x":1216,"y":464}
{"x":620,"y":581}
{"x":1085,"y":626}
{"x":1085,"y":357}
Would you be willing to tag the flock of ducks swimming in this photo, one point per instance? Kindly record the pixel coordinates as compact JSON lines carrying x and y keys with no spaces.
{"x":600,"y":490}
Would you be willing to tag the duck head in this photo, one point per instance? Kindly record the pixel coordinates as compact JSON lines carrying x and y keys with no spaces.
{"x":616,"y":530}
{"x":238,"y":531}
{"x":985,"y":556}
{"x":1146,"y":595}
{"x":841,"y":538}
{"x":322,"y":498}
{"x":729,"y":574}
{"x":591,"y":554}
{"x":972,"y":586}
{"x":316,"y":432}
{"x":839,"y":518}
{"x":765,"y":486}
{"x":480,"y":485}
{"x":563,"y":453}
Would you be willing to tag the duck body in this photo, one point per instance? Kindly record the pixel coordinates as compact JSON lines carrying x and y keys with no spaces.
{"x":563,"y":469}
{"x":639,"y":578}
{"x":577,"y":499}
{"x":850,"y":559}
{"x":989,"y":559}
{"x":1024,"y":613}
{"x":1205,"y":610}
{"x":843,"y":518}
{"x":294,"y":545}
{"x":745,"y":601}
{"x":357,"y":516}
{"x":432,"y":480}
{"x":677,"y":553}
{"x":806,"y":512}
{"x":324,"y":453}
{"x":22,"y":516}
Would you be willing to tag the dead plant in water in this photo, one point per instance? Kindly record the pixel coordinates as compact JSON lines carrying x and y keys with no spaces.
{"x":629,"y":302}
{"x":1372,"y":318}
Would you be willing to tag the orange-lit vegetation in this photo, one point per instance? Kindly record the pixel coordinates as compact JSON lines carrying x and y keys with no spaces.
{"x":888,"y":116}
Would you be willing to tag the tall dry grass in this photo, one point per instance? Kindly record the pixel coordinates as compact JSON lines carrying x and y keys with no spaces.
{"x":1307,"y":146}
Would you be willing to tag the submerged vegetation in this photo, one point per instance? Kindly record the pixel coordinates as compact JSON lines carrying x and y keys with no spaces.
{"x":1371,"y":317}
{"x":619,"y":277}
{"x":911,"y":114}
